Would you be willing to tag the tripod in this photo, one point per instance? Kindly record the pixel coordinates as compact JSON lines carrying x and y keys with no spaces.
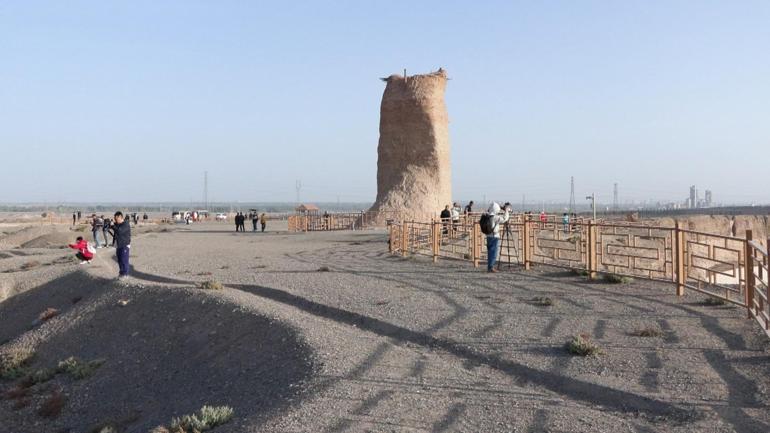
{"x":507,"y":240}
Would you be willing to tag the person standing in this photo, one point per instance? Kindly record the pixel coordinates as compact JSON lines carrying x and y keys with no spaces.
{"x":73,"y":218}
{"x":469,"y":208}
{"x":455,"y":217}
{"x":543,"y":217}
{"x":565,"y":222}
{"x":445,"y":216}
{"x":238,"y":222}
{"x":255,"y":219}
{"x":122,"y":236}
{"x":106,"y":231}
{"x":263,"y":221}
{"x":78,"y":215}
{"x":97,"y":224}
{"x":493,"y":238}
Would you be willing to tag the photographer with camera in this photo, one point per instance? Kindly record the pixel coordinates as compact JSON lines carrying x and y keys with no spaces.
{"x":490,"y":226}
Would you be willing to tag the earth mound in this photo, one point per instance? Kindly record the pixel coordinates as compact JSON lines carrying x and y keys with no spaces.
{"x":158,"y":353}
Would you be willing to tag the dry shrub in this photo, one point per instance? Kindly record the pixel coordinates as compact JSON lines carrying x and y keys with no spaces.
{"x":649,"y":331}
{"x":20,"y":404}
{"x":30,"y":265}
{"x":48,"y":314}
{"x":41,"y":376}
{"x":324,"y":269}
{"x":17,"y":392}
{"x":543,"y":301}
{"x":712,"y":301}
{"x":582,"y":345}
{"x":53,"y":405}
{"x":79,"y":369}
{"x":14,"y":364}
{"x":581,"y":272}
{"x":203,"y":274}
{"x":206,"y":419}
{"x":211,"y":285}
{"x":617,"y":279}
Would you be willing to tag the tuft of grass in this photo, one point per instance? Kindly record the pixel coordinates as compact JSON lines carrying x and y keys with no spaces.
{"x":52,"y":406}
{"x":649,"y":331}
{"x":203,"y":274}
{"x":41,"y":376}
{"x":47,"y":314}
{"x":581,"y":272}
{"x":617,"y":279}
{"x":15,"y":364}
{"x":78,"y":369}
{"x":32,"y":264}
{"x":324,"y":269}
{"x":211,"y":285}
{"x":225,"y":267}
{"x":206,"y":419}
{"x":714,"y":301}
{"x":581,"y":345}
{"x":543,"y":301}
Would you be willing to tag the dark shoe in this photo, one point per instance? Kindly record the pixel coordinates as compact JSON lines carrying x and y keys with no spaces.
{"x":493,"y":270}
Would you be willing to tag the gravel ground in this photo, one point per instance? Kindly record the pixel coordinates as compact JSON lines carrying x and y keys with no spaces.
{"x":381,"y":343}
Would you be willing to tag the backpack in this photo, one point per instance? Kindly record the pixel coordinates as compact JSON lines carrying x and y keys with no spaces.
{"x":487,"y":224}
{"x":90,"y":248}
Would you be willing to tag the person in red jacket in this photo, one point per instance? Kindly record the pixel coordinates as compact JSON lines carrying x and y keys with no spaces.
{"x":83,"y":254}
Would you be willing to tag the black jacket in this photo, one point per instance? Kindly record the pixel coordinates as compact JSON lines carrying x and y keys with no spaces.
{"x":122,"y":233}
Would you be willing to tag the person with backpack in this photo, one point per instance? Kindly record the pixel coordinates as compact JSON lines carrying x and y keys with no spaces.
{"x":85,"y":250}
{"x":490,"y":226}
{"x":122,"y":236}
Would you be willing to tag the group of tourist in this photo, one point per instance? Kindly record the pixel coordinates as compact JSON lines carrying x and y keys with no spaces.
{"x":254,"y":216}
{"x":120,"y":230}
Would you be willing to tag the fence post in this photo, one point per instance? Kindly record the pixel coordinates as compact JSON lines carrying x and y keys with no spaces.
{"x":591,"y":250}
{"x":525,"y":244}
{"x":681,"y":277}
{"x":404,"y":239}
{"x":749,"y":272}
{"x":475,"y":244}
{"x":435,"y":244}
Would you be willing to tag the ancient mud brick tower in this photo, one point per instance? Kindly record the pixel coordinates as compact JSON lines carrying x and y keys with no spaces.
{"x":413,"y":166}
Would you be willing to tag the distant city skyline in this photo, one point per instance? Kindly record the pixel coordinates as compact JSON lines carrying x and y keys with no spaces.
{"x":133,"y":102}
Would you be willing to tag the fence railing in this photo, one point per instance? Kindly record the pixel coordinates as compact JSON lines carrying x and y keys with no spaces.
{"x":732,"y":269}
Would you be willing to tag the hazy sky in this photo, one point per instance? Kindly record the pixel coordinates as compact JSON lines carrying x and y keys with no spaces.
{"x":133,"y":100}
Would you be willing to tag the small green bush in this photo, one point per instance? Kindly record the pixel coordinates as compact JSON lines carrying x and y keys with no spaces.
{"x":649,"y":331}
{"x":582,"y":345}
{"x":42,"y":375}
{"x":543,"y":301}
{"x":714,"y":301}
{"x":617,"y":279}
{"x":581,"y":272}
{"x":14,"y":364}
{"x":206,"y":419}
{"x":78,"y":369}
{"x":211,"y":285}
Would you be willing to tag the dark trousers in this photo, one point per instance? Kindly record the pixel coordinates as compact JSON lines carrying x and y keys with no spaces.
{"x":254,"y":223}
{"x":82,"y":257}
{"x":263,"y":226}
{"x":122,"y":253}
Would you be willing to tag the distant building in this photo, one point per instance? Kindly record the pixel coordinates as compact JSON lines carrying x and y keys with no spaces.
{"x":708,"y":201}
{"x":693,"y":201}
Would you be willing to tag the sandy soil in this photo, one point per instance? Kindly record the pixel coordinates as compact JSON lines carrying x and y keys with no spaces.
{"x":376,"y":343}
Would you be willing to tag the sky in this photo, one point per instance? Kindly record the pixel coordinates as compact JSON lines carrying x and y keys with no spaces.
{"x":116,"y":101}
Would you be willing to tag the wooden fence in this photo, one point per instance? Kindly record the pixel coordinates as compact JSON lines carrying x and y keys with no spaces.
{"x":728,"y":268}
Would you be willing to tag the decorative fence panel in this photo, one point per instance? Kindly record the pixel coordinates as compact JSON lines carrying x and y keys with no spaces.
{"x":732,"y":269}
